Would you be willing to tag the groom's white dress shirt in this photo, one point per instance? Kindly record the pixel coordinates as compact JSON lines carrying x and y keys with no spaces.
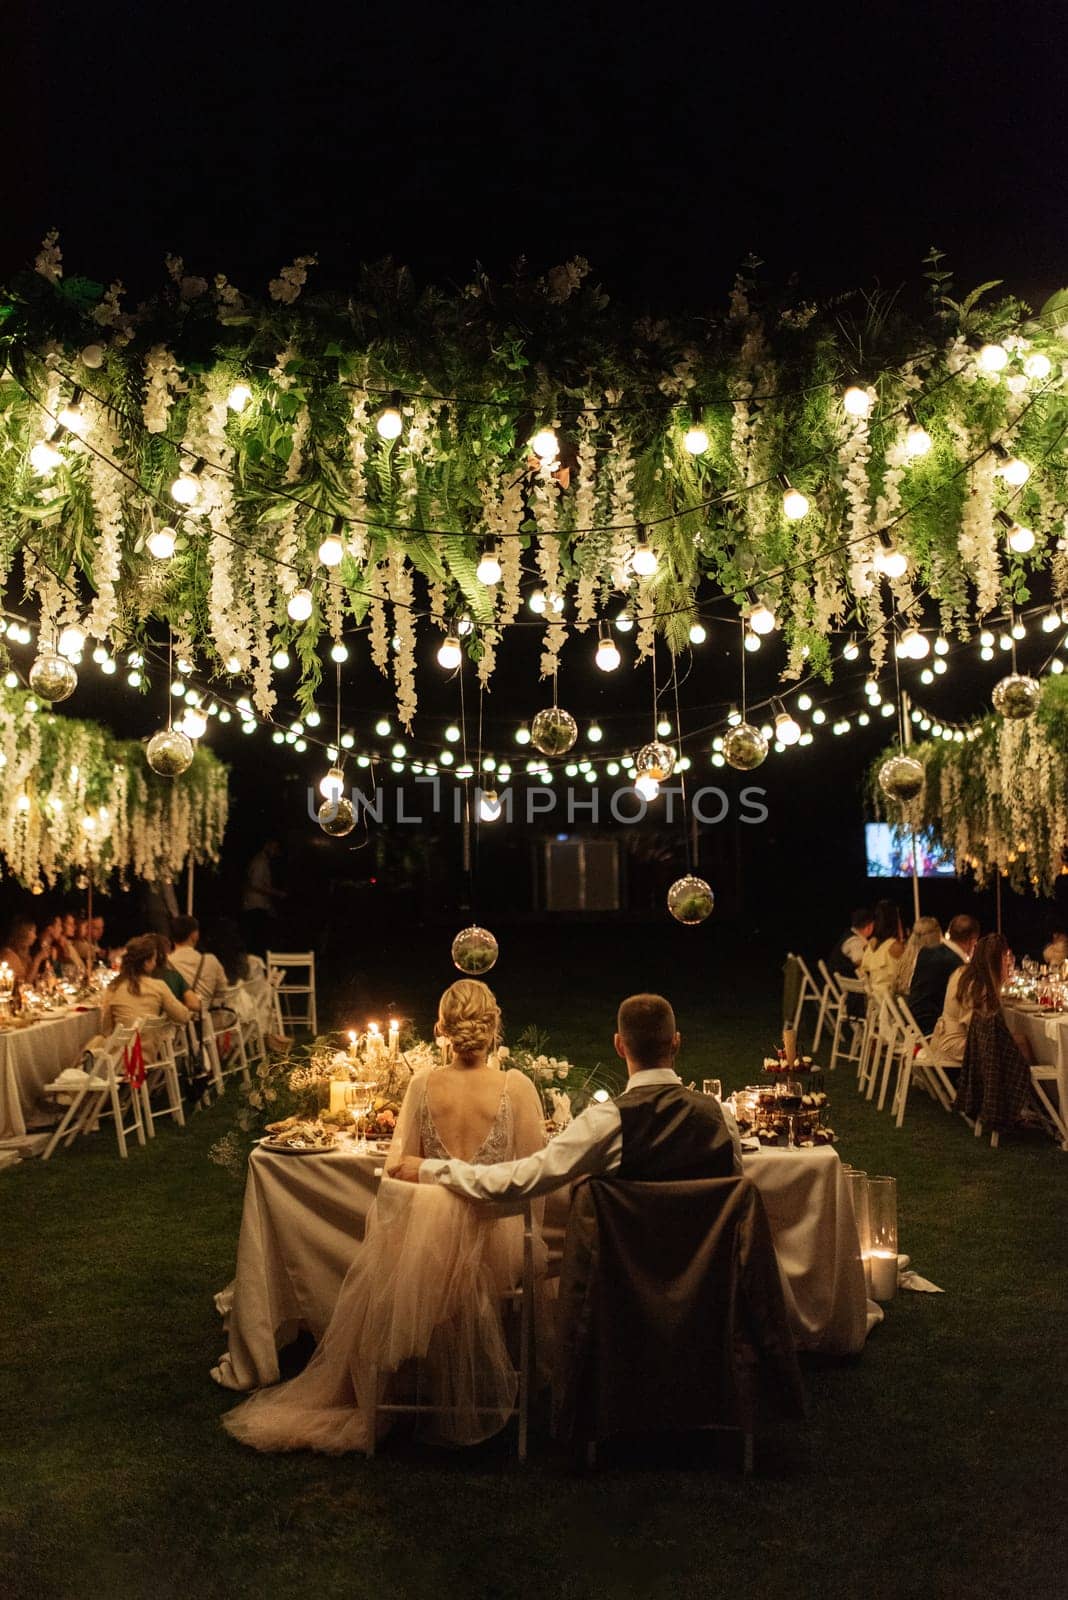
{"x":590,"y":1146}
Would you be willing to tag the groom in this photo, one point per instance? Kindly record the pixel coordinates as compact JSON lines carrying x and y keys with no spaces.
{"x":655,"y":1130}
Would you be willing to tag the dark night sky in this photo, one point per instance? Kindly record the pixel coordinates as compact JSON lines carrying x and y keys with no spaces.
{"x":665,"y":145}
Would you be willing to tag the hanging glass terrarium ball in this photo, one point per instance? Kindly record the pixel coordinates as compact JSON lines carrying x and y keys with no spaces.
{"x":169,"y":752}
{"x":1016,"y":696}
{"x":901,"y":778}
{"x":690,"y":900}
{"x":53,"y":677}
{"x":655,"y":760}
{"x":474,"y":951}
{"x":337,"y":816}
{"x":744,"y":747}
{"x":553,"y":732}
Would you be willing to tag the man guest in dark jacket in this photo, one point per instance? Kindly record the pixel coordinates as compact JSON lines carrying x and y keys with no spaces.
{"x":934,"y":967}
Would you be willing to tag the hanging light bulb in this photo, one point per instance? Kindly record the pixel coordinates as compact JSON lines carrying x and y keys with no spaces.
{"x":280,"y":660}
{"x":339,"y":652}
{"x":914,"y":645}
{"x":452,"y":733}
{"x":647,"y":786}
{"x":299,"y":605}
{"x":917,"y":442}
{"x":856,"y":402}
{"x":1019,"y":631}
{"x":644,"y":561}
{"x":449,"y":653}
{"x":71,"y":641}
{"x":761,"y":618}
{"x":331,"y":551}
{"x":72,"y":417}
{"x":389,"y":424}
{"x":186,"y":487}
{"x":698,"y":633}
{"x":594,"y":734}
{"x":545,"y":445}
{"x":522,"y":734}
{"x":607,"y":657}
{"x":851,"y":651}
{"x":161,"y":543}
{"x":695,"y":441}
{"x":489,"y":806}
{"x":556,"y":604}
{"x":1050,"y":622}
{"x":751,"y":640}
{"x":624,"y":622}
{"x":794,"y":503}
{"x":239,"y":397}
{"x":889,"y":560}
{"x":194,"y":723}
{"x":663,"y":728}
{"x":1038,"y":366}
{"x":1015,"y":472}
{"x":488,"y":570}
{"x":1020,"y":540}
{"x":941,"y":646}
{"x":787,"y":731}
{"x":45,"y":458}
{"x":537,"y":601}
{"x":993,"y":357}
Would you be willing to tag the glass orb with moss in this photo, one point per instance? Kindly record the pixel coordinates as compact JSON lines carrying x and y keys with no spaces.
{"x":474,"y":951}
{"x":337,"y":816}
{"x":690,"y":900}
{"x":744,"y":747}
{"x":53,"y":677}
{"x":169,"y":752}
{"x":553,"y":731}
{"x":1016,"y":697}
{"x":902,"y":778}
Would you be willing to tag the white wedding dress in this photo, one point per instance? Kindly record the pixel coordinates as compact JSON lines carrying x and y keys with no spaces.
{"x":425,"y":1285}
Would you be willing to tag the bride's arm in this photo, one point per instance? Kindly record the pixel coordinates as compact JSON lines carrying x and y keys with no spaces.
{"x":406,"y":1139}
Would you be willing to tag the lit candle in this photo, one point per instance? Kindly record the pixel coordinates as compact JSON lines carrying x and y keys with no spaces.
{"x":883,"y":1267}
{"x":352,"y":1043}
{"x":394,"y":1036}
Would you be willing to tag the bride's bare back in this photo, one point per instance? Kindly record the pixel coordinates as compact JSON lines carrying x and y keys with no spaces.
{"x":464,"y":1103}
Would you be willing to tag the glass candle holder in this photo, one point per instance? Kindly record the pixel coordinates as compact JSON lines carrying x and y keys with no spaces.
{"x":857,"y":1184}
{"x":882,"y":1225}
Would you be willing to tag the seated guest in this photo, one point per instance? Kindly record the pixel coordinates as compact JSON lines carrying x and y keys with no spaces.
{"x":995,"y":1080}
{"x":137,"y":995}
{"x":1056,"y":951}
{"x":18,"y":946}
{"x":935,"y":966}
{"x":201,"y":970}
{"x":926,"y":934}
{"x":229,"y":946}
{"x":71,"y":964}
{"x":844,"y":960}
{"x":82,"y":942}
{"x":171,"y":976}
{"x":96,"y":935}
{"x":654,"y":1130}
{"x":879,"y":963}
{"x":45,"y":956}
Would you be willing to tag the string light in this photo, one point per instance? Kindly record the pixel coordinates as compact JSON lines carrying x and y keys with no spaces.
{"x":698,"y":634}
{"x":787,"y":731}
{"x":663,"y":728}
{"x":941,"y":646}
{"x":449,"y":653}
{"x":695,"y":441}
{"x":389,"y":424}
{"x":522,"y":734}
{"x":646,"y":786}
{"x":851,"y":651}
{"x":194,"y":724}
{"x":452,"y":733}
{"x":239,"y":397}
{"x":280,"y":660}
{"x":545,"y":445}
{"x":889,"y":560}
{"x":383,"y":728}
{"x":300,"y":605}
{"x":1050,"y":622}
{"x":339,"y":652}
{"x":489,"y":806}
{"x":751,"y":640}
{"x":71,"y":641}
{"x":856,"y":402}
{"x":488,"y":570}
{"x":607,"y":656}
{"x":331,"y":551}
{"x":794,"y":504}
{"x":537,"y":601}
{"x":161,"y":543}
{"x":624,"y":622}
{"x":1038,"y":366}
{"x":917,"y":442}
{"x":761,"y":618}
{"x":594,"y":734}
{"x":45,"y":458}
{"x":186,"y":487}
{"x":72,"y":417}
{"x":1015,"y":472}
{"x":644,"y":561}
{"x":993,"y":357}
{"x":914,"y":645}
{"x":804,"y":702}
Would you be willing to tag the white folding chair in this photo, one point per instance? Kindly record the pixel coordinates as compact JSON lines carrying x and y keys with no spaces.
{"x":857,"y":1027}
{"x":521,"y":1297}
{"x":161,"y":1072}
{"x":106,"y":1092}
{"x":925,"y":1066}
{"x":237,"y":1058}
{"x":827,"y":998}
{"x":884,"y":1046}
{"x":244,"y":1006}
{"x":807,"y":994}
{"x":298,"y":989}
{"x":1057,"y":1115}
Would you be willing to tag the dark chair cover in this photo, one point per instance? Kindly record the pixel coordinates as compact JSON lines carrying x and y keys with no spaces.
{"x":995,"y":1080}
{"x":671,"y":1311}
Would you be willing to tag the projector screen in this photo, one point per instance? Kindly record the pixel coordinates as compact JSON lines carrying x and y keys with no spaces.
{"x":889,"y":851}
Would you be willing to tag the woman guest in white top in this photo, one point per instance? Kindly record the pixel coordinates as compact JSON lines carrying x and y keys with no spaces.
{"x":880,"y":961}
{"x":137,"y":996}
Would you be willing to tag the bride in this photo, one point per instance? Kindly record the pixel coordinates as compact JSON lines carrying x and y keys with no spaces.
{"x":427,"y":1280}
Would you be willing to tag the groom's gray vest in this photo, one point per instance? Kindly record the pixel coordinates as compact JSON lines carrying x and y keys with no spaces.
{"x":673,"y":1134}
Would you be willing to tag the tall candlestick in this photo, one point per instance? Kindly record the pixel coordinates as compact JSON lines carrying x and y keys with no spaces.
{"x":394,"y":1037}
{"x":352,"y":1043}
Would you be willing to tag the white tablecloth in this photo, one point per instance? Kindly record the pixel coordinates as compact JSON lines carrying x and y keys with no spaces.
{"x":303,"y":1220}
{"x":1048,"y":1037}
{"x":32,"y":1057}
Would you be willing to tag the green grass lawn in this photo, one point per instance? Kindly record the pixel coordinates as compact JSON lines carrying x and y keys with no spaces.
{"x":933,"y":1465}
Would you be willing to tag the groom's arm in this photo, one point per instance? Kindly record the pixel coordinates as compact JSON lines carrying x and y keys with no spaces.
{"x":591,"y":1145}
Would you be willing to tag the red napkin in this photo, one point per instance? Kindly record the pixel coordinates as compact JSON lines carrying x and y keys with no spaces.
{"x":133,"y":1061}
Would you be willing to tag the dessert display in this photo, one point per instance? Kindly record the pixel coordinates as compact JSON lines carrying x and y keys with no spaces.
{"x":788,"y":1108}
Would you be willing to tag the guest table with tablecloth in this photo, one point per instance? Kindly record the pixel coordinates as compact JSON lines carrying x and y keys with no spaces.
{"x":31,"y":1057}
{"x":304,"y":1216}
{"x":1047,"y":1035}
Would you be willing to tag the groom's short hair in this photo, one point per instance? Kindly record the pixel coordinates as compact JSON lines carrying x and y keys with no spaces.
{"x":646,"y":1024}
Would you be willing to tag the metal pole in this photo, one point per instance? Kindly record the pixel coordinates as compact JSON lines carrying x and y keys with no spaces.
{"x":189,"y":886}
{"x":997,"y":886}
{"x":906,"y":736}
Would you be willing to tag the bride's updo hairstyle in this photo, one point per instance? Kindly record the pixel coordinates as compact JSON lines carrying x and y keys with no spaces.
{"x":469,"y":1017}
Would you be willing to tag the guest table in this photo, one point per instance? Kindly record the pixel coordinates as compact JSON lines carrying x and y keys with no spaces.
{"x":1048,"y":1037}
{"x":31,"y":1057}
{"x":304,"y":1215}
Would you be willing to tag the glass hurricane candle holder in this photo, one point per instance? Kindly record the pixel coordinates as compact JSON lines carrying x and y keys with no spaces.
{"x":882,"y":1224}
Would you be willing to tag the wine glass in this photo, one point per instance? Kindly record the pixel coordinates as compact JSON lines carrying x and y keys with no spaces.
{"x":361,"y":1101}
{"x":712,"y":1086}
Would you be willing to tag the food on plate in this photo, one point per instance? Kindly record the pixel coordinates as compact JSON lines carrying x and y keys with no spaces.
{"x":300,"y":1133}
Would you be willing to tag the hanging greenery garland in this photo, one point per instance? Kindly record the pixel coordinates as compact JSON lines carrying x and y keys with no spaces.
{"x":268,"y":476}
{"x":998,"y":796}
{"x":75,"y":800}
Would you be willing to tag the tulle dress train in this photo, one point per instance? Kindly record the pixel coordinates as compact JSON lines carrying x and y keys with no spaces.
{"x":425,"y":1286}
